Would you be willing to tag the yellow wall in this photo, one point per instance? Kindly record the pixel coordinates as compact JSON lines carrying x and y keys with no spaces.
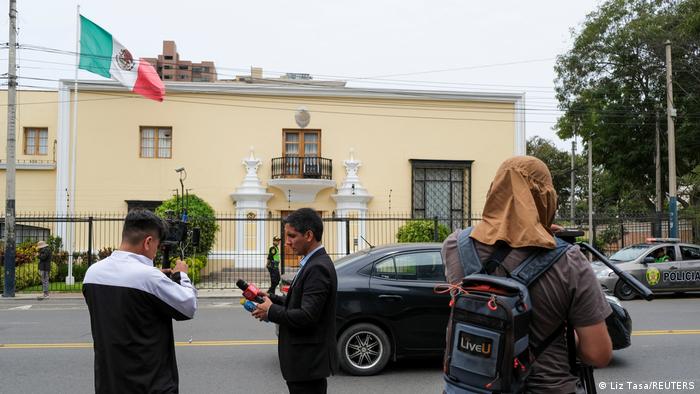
{"x":212,"y":134}
{"x":35,"y":190}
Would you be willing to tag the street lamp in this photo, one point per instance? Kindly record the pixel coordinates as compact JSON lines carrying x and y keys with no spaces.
{"x":183,"y":176}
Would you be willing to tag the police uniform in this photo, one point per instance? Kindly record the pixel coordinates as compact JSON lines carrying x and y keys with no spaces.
{"x":273,"y":267}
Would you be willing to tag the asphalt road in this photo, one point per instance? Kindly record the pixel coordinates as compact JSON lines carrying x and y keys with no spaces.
{"x":45,"y":347}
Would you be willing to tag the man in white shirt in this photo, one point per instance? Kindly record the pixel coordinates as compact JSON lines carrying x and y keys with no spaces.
{"x":131,"y":306}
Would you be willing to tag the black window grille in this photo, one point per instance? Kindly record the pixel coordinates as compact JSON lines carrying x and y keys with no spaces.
{"x":442,"y":189}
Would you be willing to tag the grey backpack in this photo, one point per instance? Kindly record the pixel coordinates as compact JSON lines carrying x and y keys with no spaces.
{"x":488,"y":348}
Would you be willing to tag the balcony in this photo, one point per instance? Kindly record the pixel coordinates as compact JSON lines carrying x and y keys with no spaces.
{"x":301,"y":178}
{"x":302,"y":167}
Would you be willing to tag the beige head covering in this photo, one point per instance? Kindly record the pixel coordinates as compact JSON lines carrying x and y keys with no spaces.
{"x":520,"y":205}
{"x":41,"y":245}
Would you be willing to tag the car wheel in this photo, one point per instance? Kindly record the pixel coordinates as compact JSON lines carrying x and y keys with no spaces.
{"x":364,"y":349}
{"x":624,"y":292}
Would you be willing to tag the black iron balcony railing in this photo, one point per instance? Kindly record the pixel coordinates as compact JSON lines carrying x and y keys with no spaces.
{"x":302,"y":167}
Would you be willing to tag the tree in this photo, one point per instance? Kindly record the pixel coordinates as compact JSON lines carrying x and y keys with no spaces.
{"x":559,"y":163}
{"x":611,"y":86}
{"x":200,"y":215}
{"x":608,"y":198}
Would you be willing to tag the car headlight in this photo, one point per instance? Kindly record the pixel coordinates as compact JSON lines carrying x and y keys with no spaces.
{"x":604,"y":273}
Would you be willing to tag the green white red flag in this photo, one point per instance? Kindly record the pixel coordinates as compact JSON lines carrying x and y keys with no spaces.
{"x":101,"y":54}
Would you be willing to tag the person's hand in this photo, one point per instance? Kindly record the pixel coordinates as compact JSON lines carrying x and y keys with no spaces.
{"x":180,"y":266}
{"x":555,"y":228}
{"x":260,"y":312}
{"x":262,"y":293}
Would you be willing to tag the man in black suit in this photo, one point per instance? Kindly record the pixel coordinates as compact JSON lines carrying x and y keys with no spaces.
{"x":306,"y":316}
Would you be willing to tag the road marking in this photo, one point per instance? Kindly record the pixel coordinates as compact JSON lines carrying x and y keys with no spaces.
{"x":20,"y":308}
{"x":228,"y":343}
{"x":664,"y":332}
{"x":88,"y":345}
{"x":254,"y":342}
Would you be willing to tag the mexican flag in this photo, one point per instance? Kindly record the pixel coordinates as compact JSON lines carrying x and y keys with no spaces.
{"x":101,"y":54}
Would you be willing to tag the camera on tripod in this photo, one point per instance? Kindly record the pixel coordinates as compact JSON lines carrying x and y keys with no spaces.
{"x":181,"y":234}
{"x":175,"y":238}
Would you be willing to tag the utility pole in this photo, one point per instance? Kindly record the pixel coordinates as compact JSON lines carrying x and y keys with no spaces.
{"x":659,"y":196}
{"x":670,"y":114}
{"x":591,"y":232}
{"x":573,"y":176}
{"x":10,"y":246}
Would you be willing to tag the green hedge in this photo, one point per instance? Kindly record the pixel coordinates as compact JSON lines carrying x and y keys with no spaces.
{"x":195,"y":264}
{"x":27,"y":275}
{"x":78,"y":271}
{"x":201,"y":215}
{"x":421,"y":231}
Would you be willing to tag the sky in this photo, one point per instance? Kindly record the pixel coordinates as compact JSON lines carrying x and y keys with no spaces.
{"x":474,"y":46}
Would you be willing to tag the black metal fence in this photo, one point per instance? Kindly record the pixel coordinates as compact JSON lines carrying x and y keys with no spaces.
{"x":241,"y":243}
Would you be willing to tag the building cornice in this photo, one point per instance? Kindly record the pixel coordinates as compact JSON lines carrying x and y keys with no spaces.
{"x":306,"y":90}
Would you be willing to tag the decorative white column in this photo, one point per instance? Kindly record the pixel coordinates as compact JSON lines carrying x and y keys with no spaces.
{"x":251,"y":203}
{"x":352,"y":197}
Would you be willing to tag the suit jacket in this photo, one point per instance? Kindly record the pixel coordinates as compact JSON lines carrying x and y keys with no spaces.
{"x":306,"y":318}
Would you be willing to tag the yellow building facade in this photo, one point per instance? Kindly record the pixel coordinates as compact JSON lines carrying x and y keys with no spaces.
{"x":261,"y":150}
{"x":209,"y":129}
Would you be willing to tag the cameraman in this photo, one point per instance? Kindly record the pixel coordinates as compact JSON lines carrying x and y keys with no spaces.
{"x":131,"y":306}
{"x":519,"y":211}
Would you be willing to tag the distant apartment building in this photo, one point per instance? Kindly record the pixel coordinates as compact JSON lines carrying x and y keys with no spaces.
{"x":171,"y":68}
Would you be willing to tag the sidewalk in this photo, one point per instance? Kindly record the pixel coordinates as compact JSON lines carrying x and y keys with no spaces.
{"x":201,"y":293}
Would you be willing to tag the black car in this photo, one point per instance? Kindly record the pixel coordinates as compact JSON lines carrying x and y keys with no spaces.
{"x":387,"y":307}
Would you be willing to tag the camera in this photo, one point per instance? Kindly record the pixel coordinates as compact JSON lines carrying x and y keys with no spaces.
{"x":175,"y":237}
{"x":178,"y":227}
{"x":179,"y":236}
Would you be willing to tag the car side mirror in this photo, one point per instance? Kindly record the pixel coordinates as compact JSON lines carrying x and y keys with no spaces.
{"x":648,"y":260}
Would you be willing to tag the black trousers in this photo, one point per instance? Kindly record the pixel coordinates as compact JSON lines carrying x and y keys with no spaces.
{"x":319,"y":386}
{"x":274,"y":279}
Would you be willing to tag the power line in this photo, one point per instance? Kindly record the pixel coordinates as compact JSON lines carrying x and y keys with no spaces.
{"x":482,"y":108}
{"x":542,"y":110}
{"x":220,"y":104}
{"x":296,"y":83}
{"x":364,"y":79}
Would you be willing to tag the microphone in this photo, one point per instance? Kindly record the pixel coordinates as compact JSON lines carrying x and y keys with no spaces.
{"x":248,"y":305}
{"x":250,"y":292}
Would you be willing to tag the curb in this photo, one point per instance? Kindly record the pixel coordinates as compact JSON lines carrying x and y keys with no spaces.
{"x":201,"y":293}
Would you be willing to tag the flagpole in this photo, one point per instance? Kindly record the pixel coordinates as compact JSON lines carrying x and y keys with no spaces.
{"x":71,"y":244}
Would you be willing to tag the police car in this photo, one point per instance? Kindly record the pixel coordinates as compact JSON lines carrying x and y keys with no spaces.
{"x":664,"y":265}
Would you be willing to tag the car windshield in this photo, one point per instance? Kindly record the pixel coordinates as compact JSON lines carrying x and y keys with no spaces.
{"x":345,"y":260}
{"x":629,"y":253}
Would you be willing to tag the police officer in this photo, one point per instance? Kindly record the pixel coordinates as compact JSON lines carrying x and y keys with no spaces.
{"x":660,"y":256}
{"x":273,"y":264}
